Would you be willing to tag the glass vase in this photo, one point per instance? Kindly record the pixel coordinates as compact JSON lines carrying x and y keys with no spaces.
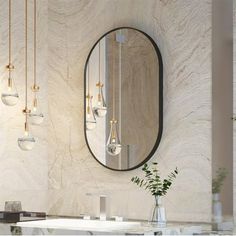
{"x":216,"y":208}
{"x":158,"y":216}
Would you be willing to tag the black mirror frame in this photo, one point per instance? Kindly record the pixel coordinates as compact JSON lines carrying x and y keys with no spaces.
{"x":160,"y":99}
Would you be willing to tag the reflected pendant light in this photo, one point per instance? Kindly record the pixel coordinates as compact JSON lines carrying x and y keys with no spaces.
{"x":36,"y":116}
{"x":101,"y":108}
{"x":113,"y":143}
{"x":90,"y":117}
{"x":9,"y":94}
{"x":26,"y":142}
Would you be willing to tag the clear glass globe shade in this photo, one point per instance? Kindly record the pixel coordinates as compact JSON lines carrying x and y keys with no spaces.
{"x":114,"y":149}
{"x":9,"y":95}
{"x":27,"y":142}
{"x":90,"y":125}
{"x":36,"y":117}
{"x":100,"y":111}
{"x":10,"y":99}
{"x":113,"y":146}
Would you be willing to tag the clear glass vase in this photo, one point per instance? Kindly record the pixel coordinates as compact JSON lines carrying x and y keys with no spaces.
{"x":216,"y":208}
{"x":158,"y":215}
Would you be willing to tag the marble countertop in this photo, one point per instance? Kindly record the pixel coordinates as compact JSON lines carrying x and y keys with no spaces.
{"x":62,"y":225}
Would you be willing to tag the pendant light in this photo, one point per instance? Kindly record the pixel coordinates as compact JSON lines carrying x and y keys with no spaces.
{"x":113,"y":143}
{"x":101,"y":108}
{"x":90,"y":117}
{"x":9,"y":94}
{"x":26,"y":142}
{"x":36,"y":116}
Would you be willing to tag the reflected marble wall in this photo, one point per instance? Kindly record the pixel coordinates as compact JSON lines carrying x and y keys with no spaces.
{"x":182,"y":30}
{"x":23,"y":174}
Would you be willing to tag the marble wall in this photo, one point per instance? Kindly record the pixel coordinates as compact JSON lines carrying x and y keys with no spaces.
{"x":24,"y":175}
{"x":60,"y":176}
{"x":182,"y":30}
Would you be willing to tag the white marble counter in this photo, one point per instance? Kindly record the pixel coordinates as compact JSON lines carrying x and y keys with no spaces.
{"x":80,"y":227}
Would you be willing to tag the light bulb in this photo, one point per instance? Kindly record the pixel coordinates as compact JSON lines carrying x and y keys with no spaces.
{"x":9,"y":94}
{"x":113,"y":143}
{"x":36,"y":117}
{"x":27,"y":142}
{"x":101,"y":108}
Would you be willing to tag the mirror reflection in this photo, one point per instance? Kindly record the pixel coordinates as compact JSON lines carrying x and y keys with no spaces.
{"x":122,"y":115}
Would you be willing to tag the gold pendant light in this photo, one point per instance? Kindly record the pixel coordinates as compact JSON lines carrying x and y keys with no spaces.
{"x":101,"y":108}
{"x":9,"y":94}
{"x":26,"y":142}
{"x":113,"y":143}
{"x":90,"y":117}
{"x":36,"y":116}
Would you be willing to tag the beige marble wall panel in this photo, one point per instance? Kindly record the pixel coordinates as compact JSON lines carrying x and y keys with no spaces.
{"x":182,"y":30}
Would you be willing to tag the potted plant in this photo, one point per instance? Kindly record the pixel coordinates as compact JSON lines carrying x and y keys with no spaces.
{"x":217,"y":184}
{"x":157,"y":187}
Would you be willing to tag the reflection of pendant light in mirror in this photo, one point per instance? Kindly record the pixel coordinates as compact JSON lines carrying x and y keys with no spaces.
{"x":90,"y":117}
{"x":101,"y":108}
{"x":113,"y":142}
{"x":26,"y":142}
{"x":9,"y":92}
{"x":36,"y":116}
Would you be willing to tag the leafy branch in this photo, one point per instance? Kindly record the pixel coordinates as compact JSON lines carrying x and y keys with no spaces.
{"x":218,"y":181}
{"x":152,"y":180}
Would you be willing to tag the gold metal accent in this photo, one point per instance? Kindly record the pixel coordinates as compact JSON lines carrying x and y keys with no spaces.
{"x":99,"y":84}
{"x":9,"y":82}
{"x":113,"y":121}
{"x":35,"y":88}
{"x":35,"y":102}
{"x":26,"y":111}
{"x":89,"y":97}
{"x":10,"y":67}
{"x":26,"y":127}
{"x":88,"y":110}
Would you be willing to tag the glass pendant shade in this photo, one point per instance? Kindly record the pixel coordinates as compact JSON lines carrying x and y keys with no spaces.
{"x":101,"y":108}
{"x":90,"y":117}
{"x":113,"y":142}
{"x":36,"y":116}
{"x":9,"y":94}
{"x":27,"y":141}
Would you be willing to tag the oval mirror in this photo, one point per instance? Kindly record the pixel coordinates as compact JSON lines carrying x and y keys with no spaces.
{"x":123,"y":99}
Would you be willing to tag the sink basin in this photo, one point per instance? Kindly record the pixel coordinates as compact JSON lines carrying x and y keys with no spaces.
{"x":79,"y":224}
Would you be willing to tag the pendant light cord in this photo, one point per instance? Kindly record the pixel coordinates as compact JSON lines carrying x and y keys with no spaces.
{"x":88,"y":80}
{"x":99,"y":66}
{"x":26,"y":57}
{"x":35,"y":43}
{"x":9,"y":35}
{"x":113,"y":89}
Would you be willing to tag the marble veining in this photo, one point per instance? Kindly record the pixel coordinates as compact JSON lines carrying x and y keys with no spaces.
{"x":57,"y":174}
{"x":182,"y":30}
